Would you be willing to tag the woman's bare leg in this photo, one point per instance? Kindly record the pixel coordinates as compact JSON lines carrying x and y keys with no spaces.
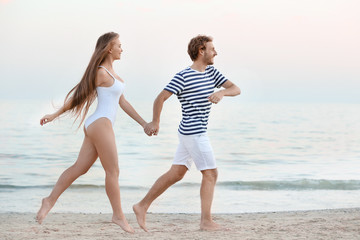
{"x":85,"y":160}
{"x":102,"y":135}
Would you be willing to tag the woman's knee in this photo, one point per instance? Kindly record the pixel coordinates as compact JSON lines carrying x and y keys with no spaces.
{"x":112,"y":172}
{"x":78,"y":170}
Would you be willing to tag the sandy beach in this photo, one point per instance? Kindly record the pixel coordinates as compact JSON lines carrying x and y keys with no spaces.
{"x":322,"y":224}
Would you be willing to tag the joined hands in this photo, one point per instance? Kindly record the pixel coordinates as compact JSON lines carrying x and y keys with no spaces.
{"x":151,"y":128}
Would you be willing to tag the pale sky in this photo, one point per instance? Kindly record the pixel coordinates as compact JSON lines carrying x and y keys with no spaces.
{"x":274,"y":50}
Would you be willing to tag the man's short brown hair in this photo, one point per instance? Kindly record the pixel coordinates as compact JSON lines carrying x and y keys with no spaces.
{"x":196,"y":44}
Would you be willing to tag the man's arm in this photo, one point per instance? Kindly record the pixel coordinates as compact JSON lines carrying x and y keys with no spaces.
{"x":230,"y":90}
{"x":153,"y":127}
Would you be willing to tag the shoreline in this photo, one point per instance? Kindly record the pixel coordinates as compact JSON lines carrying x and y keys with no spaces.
{"x":312,"y":224}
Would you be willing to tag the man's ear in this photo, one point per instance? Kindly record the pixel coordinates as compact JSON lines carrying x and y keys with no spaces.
{"x":201,"y":52}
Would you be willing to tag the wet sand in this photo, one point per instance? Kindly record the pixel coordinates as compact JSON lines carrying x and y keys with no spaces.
{"x":321,"y":224}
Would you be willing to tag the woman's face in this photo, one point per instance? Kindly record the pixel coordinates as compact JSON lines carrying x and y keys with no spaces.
{"x":116,"y":49}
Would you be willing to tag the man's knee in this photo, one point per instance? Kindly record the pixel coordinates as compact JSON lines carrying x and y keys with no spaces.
{"x":210,"y":174}
{"x":178,"y":176}
{"x":177,"y":172}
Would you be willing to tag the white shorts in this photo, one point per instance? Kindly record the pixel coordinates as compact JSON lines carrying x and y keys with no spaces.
{"x":197,"y":149}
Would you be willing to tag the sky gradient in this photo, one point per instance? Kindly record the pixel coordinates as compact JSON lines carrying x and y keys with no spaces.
{"x":275,"y":51}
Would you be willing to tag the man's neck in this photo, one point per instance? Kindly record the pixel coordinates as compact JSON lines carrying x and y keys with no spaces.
{"x":198,"y":66}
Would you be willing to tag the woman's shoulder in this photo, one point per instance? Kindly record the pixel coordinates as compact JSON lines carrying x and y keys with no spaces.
{"x":101,"y":73}
{"x":103,"y":78}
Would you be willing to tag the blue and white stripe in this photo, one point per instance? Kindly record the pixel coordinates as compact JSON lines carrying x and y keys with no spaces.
{"x":193,"y":89}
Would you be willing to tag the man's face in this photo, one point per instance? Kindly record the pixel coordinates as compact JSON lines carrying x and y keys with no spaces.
{"x":209,"y":53}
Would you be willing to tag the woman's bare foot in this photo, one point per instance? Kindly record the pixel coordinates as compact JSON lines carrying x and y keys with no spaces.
{"x":140,"y":216}
{"x":123,"y":224}
{"x":207,"y":225}
{"x":46,"y":206}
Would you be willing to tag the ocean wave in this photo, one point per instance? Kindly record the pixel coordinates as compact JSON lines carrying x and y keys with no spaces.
{"x":73,"y":186}
{"x":302,"y":184}
{"x":293,"y":185}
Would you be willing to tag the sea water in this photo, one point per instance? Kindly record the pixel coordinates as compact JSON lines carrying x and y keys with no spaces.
{"x":270,"y":156}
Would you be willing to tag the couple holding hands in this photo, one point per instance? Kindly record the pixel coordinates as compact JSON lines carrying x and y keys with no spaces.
{"x":194,"y":87}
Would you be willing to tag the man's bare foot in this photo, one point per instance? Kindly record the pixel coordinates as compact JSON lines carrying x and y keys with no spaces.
{"x":140,"y":216}
{"x":123,"y":224}
{"x":46,"y":206}
{"x":207,"y":225}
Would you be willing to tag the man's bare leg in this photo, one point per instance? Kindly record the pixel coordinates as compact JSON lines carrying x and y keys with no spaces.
{"x":175,"y":174}
{"x":207,"y":195}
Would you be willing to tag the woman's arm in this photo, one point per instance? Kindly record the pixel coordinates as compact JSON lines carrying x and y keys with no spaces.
{"x":126,"y":106}
{"x":50,"y":117}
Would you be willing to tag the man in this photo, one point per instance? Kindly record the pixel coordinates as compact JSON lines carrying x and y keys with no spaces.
{"x":194,"y":87}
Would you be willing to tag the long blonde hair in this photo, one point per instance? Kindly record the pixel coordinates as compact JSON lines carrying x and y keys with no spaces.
{"x":84,"y":94}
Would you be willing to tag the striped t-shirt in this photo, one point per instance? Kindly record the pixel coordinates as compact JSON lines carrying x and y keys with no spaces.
{"x":193,"y":89}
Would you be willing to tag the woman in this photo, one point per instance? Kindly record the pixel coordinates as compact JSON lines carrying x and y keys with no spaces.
{"x":98,"y":81}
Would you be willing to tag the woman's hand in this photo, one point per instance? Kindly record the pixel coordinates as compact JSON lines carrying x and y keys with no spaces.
{"x":46,"y":119}
{"x":151,"y":129}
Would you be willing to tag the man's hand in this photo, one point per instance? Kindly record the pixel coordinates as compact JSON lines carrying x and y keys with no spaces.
{"x":216,"y":97}
{"x":151,"y":128}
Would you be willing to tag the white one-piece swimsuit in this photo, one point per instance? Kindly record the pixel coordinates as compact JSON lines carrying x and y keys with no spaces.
{"x":108,"y":101}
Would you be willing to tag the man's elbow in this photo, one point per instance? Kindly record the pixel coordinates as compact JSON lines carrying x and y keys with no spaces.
{"x":163,"y":96}
{"x":237,"y":91}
